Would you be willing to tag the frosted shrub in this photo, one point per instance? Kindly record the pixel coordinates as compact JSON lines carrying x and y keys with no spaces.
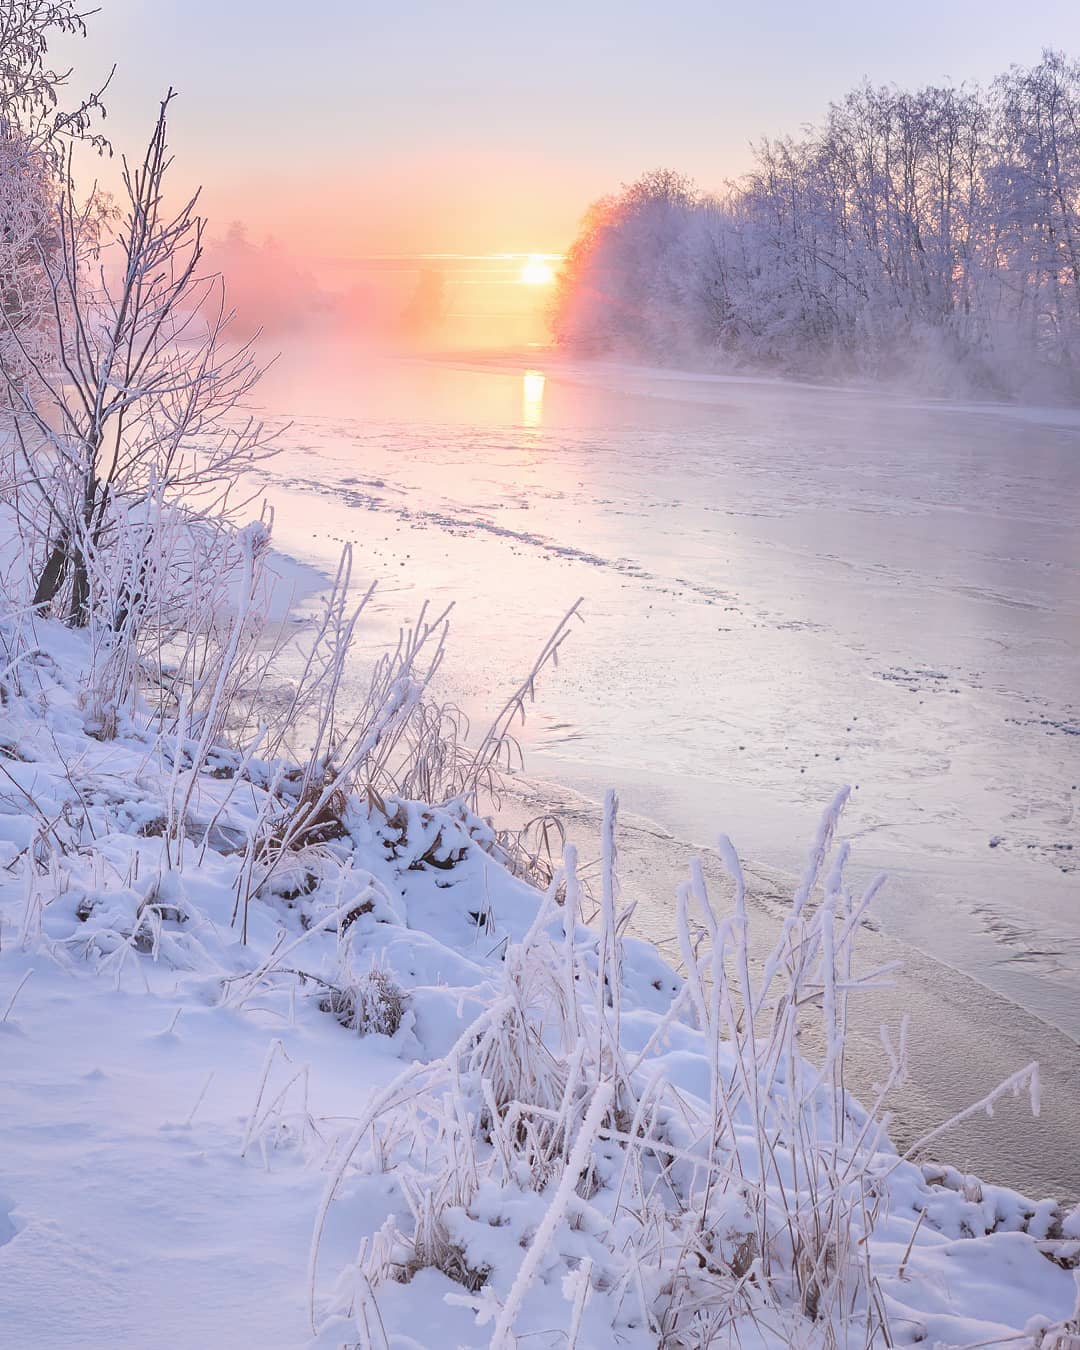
{"x":749,"y":1200}
{"x":373,"y":1006}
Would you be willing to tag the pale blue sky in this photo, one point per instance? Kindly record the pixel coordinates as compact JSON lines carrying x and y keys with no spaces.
{"x":488,"y":126}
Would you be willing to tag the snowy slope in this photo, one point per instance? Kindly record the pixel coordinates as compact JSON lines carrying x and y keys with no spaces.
{"x":211,"y":1142}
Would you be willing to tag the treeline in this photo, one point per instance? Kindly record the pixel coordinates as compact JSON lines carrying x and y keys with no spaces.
{"x":930,"y":236}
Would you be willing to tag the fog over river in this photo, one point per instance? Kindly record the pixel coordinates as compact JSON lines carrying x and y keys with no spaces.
{"x":786,"y":589}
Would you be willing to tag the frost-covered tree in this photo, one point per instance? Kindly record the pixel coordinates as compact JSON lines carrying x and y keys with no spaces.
{"x":629,"y":275}
{"x":932,"y":235}
{"x":143,"y":404}
{"x":117,"y":380}
{"x":36,"y":133}
{"x":1036,"y":179}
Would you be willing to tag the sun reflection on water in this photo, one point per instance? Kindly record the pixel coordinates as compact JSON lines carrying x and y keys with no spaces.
{"x":532,"y":398}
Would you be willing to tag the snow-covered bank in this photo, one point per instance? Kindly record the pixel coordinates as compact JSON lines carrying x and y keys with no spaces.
{"x":961,"y":1034}
{"x":528,"y":1131}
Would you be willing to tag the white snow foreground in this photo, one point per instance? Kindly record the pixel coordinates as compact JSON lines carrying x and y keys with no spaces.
{"x":423,"y":1105}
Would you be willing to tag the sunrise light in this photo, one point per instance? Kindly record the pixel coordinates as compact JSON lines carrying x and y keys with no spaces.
{"x":537,"y":272}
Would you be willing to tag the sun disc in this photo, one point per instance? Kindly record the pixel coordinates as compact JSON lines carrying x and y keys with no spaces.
{"x":536,"y":272}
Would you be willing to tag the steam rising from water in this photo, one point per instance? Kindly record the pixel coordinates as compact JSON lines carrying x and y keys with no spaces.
{"x":414,"y":303}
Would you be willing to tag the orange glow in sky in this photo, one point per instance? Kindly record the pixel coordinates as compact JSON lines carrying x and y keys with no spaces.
{"x":358,"y":129}
{"x":371,"y":151}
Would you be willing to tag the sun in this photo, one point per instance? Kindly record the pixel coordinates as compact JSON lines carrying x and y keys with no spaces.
{"x":537,"y":272}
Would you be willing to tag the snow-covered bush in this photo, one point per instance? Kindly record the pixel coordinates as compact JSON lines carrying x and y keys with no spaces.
{"x":373,"y":1006}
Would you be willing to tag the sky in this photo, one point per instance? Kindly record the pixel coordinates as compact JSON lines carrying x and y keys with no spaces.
{"x":348,"y":128}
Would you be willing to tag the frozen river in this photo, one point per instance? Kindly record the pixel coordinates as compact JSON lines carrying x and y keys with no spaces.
{"x":786,"y":589}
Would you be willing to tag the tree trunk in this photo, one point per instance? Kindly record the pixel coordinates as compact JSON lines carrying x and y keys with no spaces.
{"x":53,"y":573}
{"x":79,"y":613}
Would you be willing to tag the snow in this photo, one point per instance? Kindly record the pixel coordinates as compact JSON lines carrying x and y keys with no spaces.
{"x":180,"y":1107}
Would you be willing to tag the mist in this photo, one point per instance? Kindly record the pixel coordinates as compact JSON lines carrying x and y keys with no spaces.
{"x":404,"y":303}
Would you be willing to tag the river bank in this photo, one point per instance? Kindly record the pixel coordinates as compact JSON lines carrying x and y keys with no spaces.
{"x":963,"y":1039}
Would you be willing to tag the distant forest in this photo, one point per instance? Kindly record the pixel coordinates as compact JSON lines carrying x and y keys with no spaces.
{"x":929,"y":237}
